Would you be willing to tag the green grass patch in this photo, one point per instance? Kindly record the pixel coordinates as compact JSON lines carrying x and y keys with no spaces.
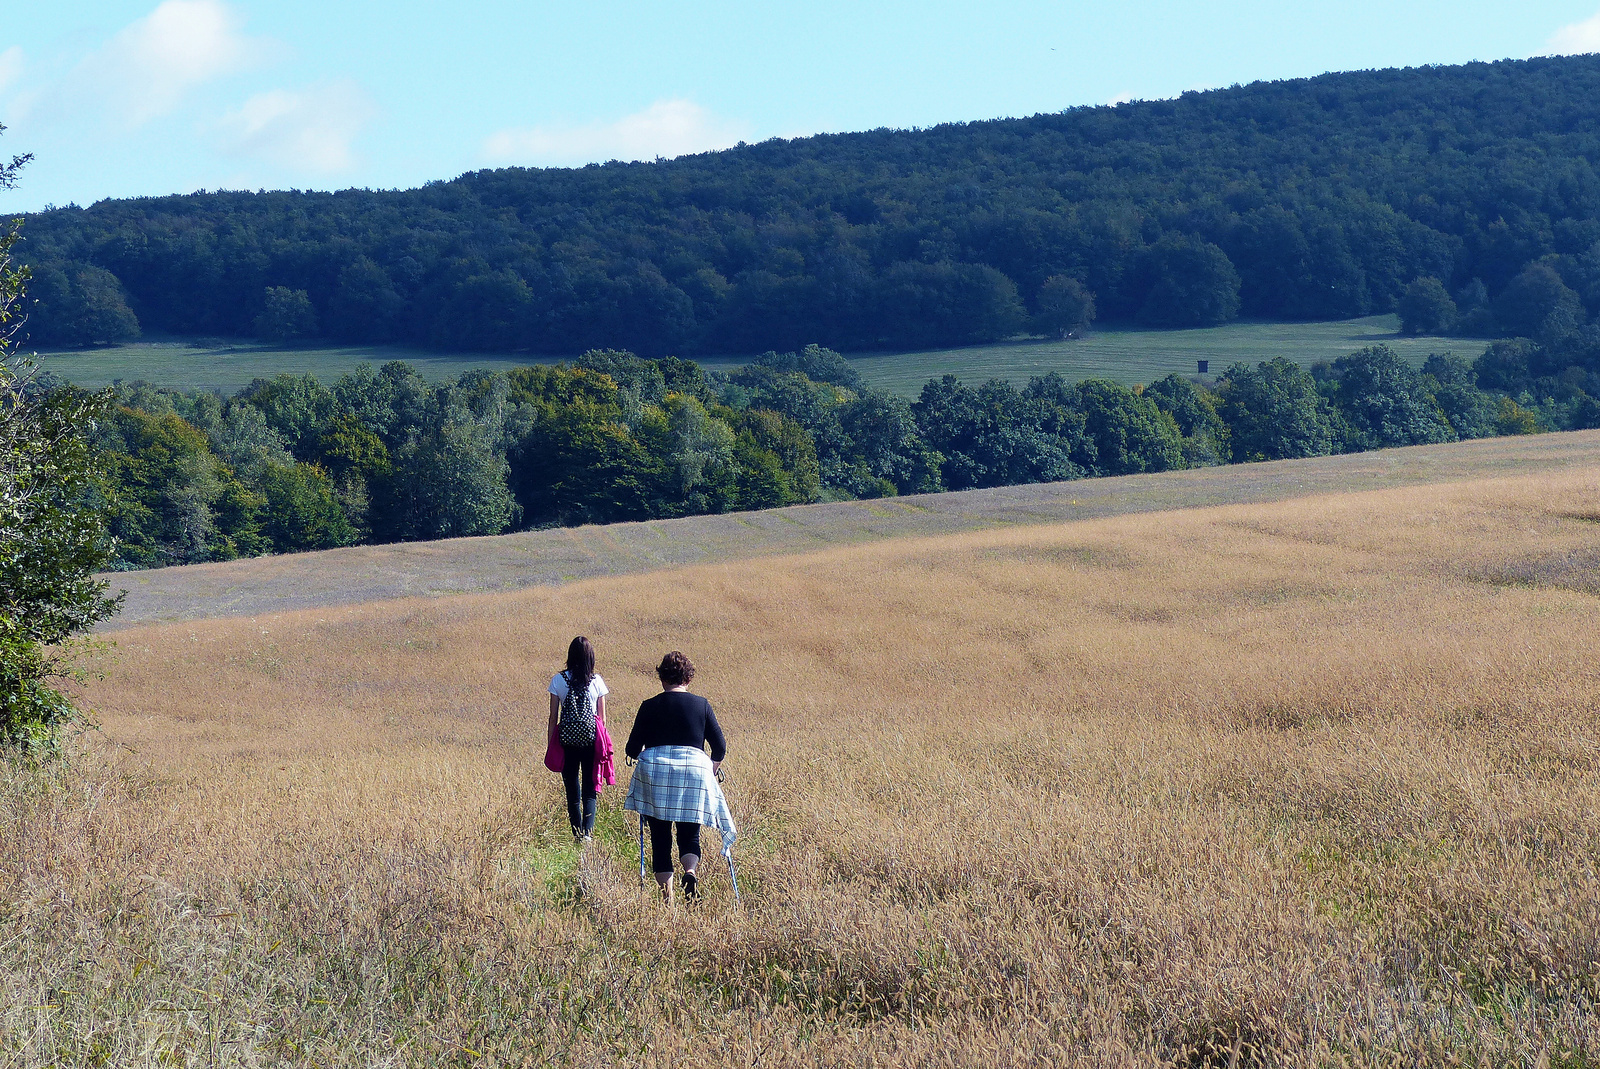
{"x":616,"y":831}
{"x":231,"y":364}
{"x":1132,"y":356}
{"x":1127,"y":355}
{"x":554,"y":866}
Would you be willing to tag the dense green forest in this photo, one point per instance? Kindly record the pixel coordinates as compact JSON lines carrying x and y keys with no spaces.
{"x":1461,"y":197}
{"x":1432,"y":191}
{"x":383,"y":455}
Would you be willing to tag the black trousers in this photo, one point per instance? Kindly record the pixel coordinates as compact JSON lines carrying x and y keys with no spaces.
{"x":577,"y":773}
{"x":661,"y":842}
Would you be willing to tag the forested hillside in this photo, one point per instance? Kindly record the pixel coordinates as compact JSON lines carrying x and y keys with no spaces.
{"x":1462,"y":196}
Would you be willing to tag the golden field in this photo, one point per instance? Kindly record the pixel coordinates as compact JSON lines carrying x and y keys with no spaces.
{"x":1312,"y":782}
{"x":336,"y":578}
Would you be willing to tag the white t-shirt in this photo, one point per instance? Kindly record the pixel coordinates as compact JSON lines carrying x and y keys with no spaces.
{"x":597,"y":688}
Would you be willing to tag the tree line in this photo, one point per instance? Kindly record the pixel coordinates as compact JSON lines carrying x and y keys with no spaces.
{"x":1431,"y":190}
{"x":383,"y":455}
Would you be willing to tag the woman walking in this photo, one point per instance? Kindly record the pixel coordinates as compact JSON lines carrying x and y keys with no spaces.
{"x":577,"y":719}
{"x":675,"y":783}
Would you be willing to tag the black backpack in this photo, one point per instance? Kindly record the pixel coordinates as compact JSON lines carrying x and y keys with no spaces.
{"x":577,"y":726}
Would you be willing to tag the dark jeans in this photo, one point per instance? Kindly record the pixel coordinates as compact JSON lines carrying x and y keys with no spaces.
{"x":661,"y":842}
{"x":577,"y":772}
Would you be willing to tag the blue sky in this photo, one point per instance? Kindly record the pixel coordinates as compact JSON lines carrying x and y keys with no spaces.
{"x":127,"y":97}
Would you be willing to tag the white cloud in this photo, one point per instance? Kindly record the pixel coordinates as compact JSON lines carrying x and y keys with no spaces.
{"x":1577,"y":38}
{"x":666,"y":128}
{"x":147,"y":69}
{"x":10,"y":67}
{"x":310,"y":130}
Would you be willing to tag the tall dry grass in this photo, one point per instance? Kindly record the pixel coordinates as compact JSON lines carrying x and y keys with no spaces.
{"x":1308,"y":783}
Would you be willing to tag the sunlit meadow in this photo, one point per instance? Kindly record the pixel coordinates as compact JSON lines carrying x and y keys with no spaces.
{"x":1301,"y":783}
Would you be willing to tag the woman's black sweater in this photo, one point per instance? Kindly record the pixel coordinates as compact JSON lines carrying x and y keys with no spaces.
{"x":676,"y":718}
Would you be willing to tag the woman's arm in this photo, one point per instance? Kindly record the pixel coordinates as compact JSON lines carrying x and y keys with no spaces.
{"x":719,"y":745}
{"x":636,"y":736}
{"x":555,"y":708}
{"x":600,"y":709}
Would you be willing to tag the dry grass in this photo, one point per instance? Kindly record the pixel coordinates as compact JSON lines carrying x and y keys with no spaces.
{"x":357,"y":574}
{"x":1312,"y":782}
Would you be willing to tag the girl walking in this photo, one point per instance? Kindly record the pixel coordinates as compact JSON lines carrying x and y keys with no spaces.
{"x":577,"y":719}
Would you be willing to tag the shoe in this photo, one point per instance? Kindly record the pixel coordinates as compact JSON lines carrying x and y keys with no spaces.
{"x":689,"y":885}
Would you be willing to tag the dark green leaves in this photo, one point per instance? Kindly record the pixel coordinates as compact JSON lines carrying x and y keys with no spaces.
{"x":52,"y":534}
{"x":1274,"y":412}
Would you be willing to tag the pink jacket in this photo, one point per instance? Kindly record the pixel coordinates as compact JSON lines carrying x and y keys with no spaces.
{"x":605,"y":769}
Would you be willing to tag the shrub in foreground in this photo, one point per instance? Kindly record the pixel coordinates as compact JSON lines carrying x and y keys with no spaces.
{"x":52,"y":541}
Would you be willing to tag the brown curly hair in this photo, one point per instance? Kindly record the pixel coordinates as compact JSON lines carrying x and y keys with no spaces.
{"x":675,"y":669}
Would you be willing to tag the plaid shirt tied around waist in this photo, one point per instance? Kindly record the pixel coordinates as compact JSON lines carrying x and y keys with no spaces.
{"x":678,"y":783}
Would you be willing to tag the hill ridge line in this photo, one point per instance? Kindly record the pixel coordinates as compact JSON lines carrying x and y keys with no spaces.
{"x":359,"y":574}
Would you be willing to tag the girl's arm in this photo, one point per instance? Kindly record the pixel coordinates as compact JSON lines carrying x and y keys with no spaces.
{"x":555,"y":707}
{"x":600,"y":709}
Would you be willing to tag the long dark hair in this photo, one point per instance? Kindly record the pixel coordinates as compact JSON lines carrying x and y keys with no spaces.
{"x":580,"y":664}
